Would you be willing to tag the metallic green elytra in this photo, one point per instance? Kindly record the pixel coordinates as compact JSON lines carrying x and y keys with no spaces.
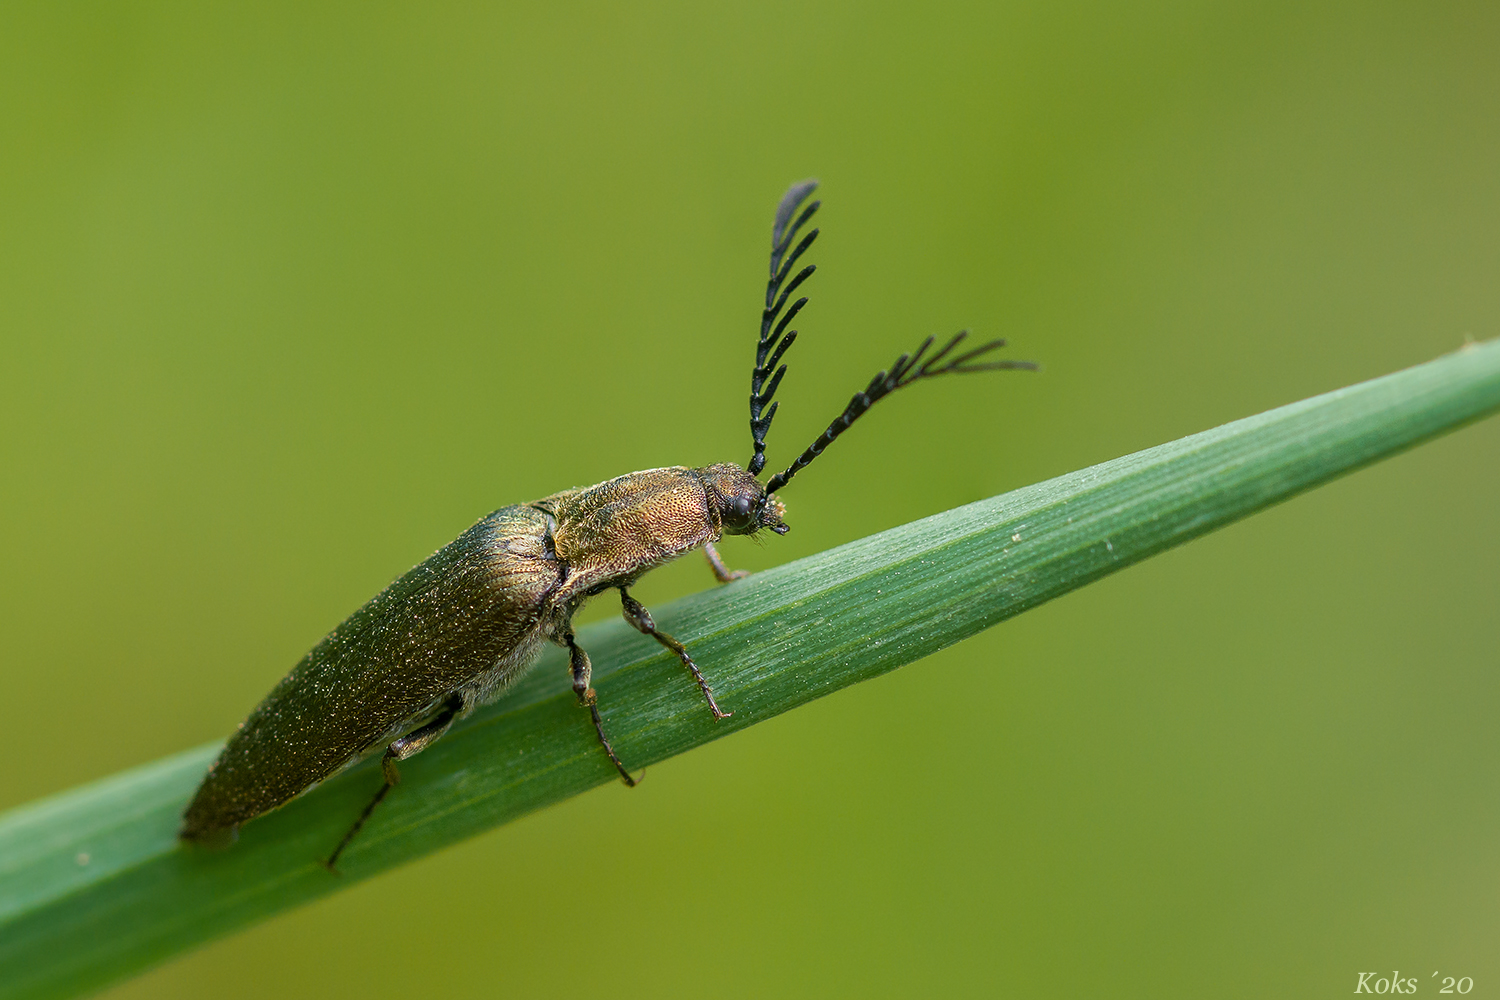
{"x":454,"y":631}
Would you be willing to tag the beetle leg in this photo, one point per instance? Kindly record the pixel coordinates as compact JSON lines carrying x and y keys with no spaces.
{"x":640,"y":618}
{"x":418,"y":740}
{"x":414,"y":742}
{"x":722,"y":573}
{"x":582,"y":671}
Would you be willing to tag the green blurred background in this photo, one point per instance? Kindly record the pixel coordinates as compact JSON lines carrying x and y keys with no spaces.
{"x":290,"y":296}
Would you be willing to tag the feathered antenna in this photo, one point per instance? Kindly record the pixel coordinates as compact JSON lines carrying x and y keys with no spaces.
{"x":772,"y":344}
{"x":907,"y":369}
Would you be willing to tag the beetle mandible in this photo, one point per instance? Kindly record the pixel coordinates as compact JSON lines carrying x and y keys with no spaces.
{"x":453,"y":632}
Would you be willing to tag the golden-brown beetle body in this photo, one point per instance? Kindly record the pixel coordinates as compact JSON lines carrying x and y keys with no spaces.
{"x":464,"y":623}
{"x":454,"y":631}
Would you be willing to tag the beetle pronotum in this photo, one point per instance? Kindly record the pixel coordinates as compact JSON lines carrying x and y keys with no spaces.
{"x":454,"y":631}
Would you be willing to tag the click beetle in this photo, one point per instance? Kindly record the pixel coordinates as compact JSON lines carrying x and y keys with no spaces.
{"x":453,"y":632}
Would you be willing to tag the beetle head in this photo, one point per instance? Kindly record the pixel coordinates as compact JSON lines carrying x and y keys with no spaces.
{"x":741,"y":500}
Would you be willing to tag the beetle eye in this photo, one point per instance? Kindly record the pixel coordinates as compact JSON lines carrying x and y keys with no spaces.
{"x":741,"y":507}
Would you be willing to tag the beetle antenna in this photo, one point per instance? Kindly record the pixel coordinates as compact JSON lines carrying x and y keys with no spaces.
{"x":772,"y":343}
{"x":907,"y":369}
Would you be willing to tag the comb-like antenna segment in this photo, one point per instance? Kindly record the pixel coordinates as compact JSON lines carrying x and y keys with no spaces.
{"x":907,"y":369}
{"x":774,"y":342}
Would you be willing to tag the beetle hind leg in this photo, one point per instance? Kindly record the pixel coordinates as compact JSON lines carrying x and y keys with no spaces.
{"x":412,"y":743}
{"x":636,"y":614}
{"x":419,"y":739}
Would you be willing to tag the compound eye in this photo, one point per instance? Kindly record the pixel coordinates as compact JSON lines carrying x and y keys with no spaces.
{"x":741,"y":507}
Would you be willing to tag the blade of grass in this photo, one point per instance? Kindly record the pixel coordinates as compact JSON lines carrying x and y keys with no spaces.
{"x":94,"y":886}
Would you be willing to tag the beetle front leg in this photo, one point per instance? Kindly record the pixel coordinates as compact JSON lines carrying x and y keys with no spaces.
{"x":640,"y":618}
{"x":582,"y":671}
{"x":722,"y":573}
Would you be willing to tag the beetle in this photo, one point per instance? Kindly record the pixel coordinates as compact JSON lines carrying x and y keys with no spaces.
{"x":457,"y":629}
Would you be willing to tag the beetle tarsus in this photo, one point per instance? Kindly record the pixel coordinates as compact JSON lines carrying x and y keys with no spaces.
{"x":592,"y":701}
{"x":722,"y":573}
{"x":640,"y":619}
{"x":333,"y":858}
{"x":583,"y":670}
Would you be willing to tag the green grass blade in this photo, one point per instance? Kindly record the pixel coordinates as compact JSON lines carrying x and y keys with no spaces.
{"x":93,"y":885}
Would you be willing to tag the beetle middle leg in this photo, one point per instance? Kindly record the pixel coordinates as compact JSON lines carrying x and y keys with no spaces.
{"x":722,"y":573}
{"x":412,"y":743}
{"x":640,"y":618}
{"x":582,"y":670}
